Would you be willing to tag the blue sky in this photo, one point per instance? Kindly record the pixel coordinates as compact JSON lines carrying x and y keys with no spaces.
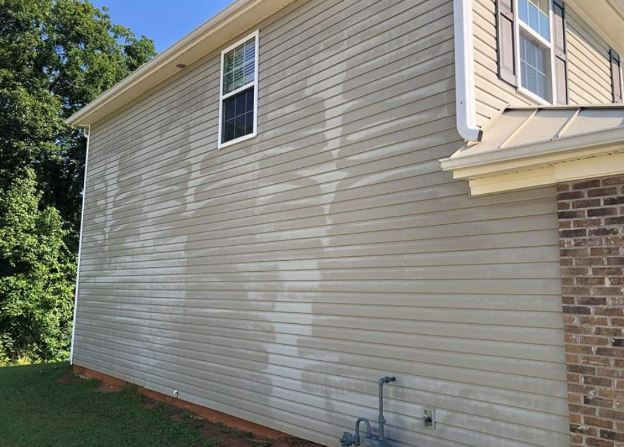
{"x":164,"y":21}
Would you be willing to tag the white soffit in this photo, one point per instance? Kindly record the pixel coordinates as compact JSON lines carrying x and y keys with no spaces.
{"x":523,"y":140}
{"x":605,"y":17}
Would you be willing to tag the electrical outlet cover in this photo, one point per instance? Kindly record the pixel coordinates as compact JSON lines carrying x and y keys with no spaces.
{"x":429,"y":417}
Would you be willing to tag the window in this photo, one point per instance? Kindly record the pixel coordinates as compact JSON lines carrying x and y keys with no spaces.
{"x":535,"y":48}
{"x":531,"y":48}
{"x":239,"y":91}
{"x":535,"y":62}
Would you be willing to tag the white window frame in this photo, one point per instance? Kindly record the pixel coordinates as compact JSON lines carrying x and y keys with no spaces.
{"x":523,"y":27}
{"x":223,"y":97}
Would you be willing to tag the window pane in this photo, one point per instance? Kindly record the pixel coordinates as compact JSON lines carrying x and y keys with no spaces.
{"x":535,"y":14}
{"x":239,"y":65}
{"x":238,"y":115}
{"x":535,"y":69}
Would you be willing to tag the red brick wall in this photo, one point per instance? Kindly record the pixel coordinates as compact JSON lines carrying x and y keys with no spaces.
{"x":590,"y":215}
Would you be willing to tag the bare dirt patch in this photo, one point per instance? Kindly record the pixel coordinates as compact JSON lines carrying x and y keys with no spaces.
{"x":221,"y":434}
{"x":69,"y":378}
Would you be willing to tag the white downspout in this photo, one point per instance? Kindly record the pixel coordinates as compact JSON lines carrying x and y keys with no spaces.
{"x":82,"y":217}
{"x":465,"y":92}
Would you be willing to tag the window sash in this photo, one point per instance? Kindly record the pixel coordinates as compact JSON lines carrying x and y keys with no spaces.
{"x":243,"y":67}
{"x":543,"y":77}
{"x":253,"y":85}
{"x":521,"y":28}
{"x":541,"y":14}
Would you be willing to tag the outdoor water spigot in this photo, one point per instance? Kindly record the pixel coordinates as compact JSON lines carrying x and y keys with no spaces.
{"x":349,"y":439}
{"x":386,"y":379}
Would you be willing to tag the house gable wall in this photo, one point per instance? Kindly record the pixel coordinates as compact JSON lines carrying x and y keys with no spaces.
{"x":275,"y":280}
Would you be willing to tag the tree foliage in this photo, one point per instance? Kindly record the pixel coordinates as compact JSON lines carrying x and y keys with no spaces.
{"x":55,"y":57}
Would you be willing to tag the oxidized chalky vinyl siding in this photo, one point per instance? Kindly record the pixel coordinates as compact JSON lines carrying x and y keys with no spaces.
{"x":277,"y":279}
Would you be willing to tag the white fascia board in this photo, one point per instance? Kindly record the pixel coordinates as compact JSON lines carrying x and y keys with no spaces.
{"x":208,"y":37}
{"x":565,"y":145}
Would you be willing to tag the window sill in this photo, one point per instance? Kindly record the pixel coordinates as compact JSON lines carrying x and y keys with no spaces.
{"x":237,"y":140}
{"x":533,"y":96}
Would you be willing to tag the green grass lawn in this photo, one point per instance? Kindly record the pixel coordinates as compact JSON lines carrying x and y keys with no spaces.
{"x":40,"y":409}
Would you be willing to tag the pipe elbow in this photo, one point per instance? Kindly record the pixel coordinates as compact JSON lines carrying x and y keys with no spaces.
{"x":466,"y":131}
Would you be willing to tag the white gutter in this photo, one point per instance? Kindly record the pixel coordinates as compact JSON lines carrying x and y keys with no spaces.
{"x":82,"y":218}
{"x":465,"y":92}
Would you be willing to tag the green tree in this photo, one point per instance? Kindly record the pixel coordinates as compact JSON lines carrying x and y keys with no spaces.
{"x":55,"y":57}
{"x":36,"y":271}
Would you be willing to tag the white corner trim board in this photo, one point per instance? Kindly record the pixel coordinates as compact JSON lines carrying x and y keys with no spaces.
{"x":82,"y":217}
{"x":465,"y":92}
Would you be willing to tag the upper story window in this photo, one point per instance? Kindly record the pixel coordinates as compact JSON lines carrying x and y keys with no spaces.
{"x":239,"y":91}
{"x":532,"y":48}
{"x":535,"y":47}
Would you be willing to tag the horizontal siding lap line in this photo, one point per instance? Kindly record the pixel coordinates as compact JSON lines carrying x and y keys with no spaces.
{"x":416,"y":300}
{"x":582,"y":55}
{"x":341,"y":207}
{"x":169,"y":248}
{"x":296,"y":329}
{"x":237,"y":339}
{"x":339,"y":239}
{"x":435,"y":274}
{"x":542,"y":207}
{"x":403,"y":121}
{"x":393,"y":167}
{"x":538,"y":221}
{"x":184,"y":118}
{"x":275,"y":211}
{"x":486,"y":294}
{"x":337,"y":26}
{"x":326,"y":250}
{"x":99,"y":342}
{"x":336,"y":257}
{"x":402,"y":147}
{"x":235,"y":266}
{"x":394,"y":399}
{"x":308,"y":59}
{"x":322,"y":171}
{"x":498,"y":367}
{"x":579,"y":82}
{"x":137,"y":271}
{"x":280,"y":316}
{"x":467,"y":316}
{"x":584,"y":34}
{"x":265,"y":84}
{"x":246,"y":158}
{"x":411,"y":340}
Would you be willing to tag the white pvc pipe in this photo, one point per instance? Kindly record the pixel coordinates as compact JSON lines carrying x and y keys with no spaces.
{"x":82,"y":217}
{"x":463,"y":49}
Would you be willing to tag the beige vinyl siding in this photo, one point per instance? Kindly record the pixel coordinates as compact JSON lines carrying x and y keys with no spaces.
{"x":588,"y":65}
{"x":590,"y":81}
{"x":278,"y":278}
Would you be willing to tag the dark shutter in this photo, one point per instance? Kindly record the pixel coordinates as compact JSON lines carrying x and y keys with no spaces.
{"x":615,"y":71}
{"x":559,"y":37}
{"x":505,"y":41}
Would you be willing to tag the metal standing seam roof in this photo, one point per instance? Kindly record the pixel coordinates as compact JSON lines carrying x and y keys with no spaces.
{"x":522,"y":132}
